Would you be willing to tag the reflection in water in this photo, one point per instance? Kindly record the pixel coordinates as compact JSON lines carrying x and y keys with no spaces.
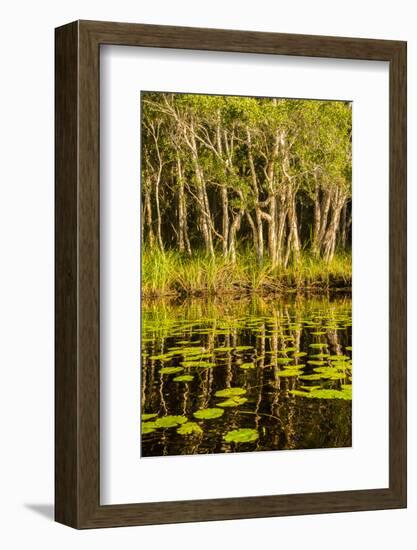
{"x":247,"y":374}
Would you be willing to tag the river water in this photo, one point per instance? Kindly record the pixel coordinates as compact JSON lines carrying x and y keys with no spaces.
{"x":225,"y":374}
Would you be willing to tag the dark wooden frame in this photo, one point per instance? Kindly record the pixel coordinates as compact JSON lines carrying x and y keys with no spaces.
{"x":77,"y":373}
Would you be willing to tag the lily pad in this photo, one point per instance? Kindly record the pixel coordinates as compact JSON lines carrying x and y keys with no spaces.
{"x":148,"y":427}
{"x":230,"y":392}
{"x":190,"y":428}
{"x":318,"y":345}
{"x":284,"y":360}
{"x":208,"y":414}
{"x":184,"y":378}
{"x":324,"y":394}
{"x":199,"y":364}
{"x":232,"y":402}
{"x":148,"y":416}
{"x":247,"y":366}
{"x":244,"y":435}
{"x":300,"y":354}
{"x":170,"y":421}
{"x":290,"y":372}
{"x":170,"y":370}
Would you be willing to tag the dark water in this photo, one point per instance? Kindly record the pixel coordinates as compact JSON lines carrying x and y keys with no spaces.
{"x":288,"y":362}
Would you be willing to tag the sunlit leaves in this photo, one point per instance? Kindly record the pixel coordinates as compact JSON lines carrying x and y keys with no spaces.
{"x":243,"y":435}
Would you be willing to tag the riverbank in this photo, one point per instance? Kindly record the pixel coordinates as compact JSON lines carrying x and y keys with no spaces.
{"x":174,"y":274}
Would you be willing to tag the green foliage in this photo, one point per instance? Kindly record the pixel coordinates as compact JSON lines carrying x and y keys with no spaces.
{"x":325,"y":394}
{"x":190,"y":428}
{"x":148,"y":427}
{"x":234,"y":401}
{"x":208,"y":414}
{"x":148,"y":416}
{"x":230,"y":392}
{"x":170,"y":421}
{"x":170,"y":370}
{"x":184,"y":378}
{"x":243,"y":435}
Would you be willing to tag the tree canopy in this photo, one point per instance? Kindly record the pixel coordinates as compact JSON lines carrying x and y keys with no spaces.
{"x":221,"y":173}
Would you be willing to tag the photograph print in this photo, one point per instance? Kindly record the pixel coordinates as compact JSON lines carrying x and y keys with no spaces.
{"x":246,"y":274}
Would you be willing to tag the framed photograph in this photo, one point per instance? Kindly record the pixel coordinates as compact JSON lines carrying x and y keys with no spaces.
{"x":230,"y":274}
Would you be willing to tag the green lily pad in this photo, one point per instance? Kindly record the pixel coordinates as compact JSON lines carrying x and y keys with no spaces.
{"x":243,"y":348}
{"x":184,"y":378}
{"x":230,"y":392}
{"x":224,"y":349}
{"x":190,"y":428}
{"x":232,"y":402}
{"x":290,"y":372}
{"x":148,"y":416}
{"x":324,"y":394}
{"x":170,"y":370}
{"x":319,"y":345}
{"x":208,"y":414}
{"x":170,"y":421}
{"x":247,"y":366}
{"x":148,"y":427}
{"x":287,"y":350}
{"x":300,"y":354}
{"x":199,"y":364}
{"x":244,"y":435}
{"x":348,"y":348}
{"x":316,"y":362}
{"x":284,"y":360}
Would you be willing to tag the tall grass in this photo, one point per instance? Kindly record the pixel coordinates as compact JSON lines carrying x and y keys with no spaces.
{"x":170,"y":273}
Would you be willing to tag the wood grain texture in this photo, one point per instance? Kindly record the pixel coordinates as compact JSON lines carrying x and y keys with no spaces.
{"x":78,"y":284}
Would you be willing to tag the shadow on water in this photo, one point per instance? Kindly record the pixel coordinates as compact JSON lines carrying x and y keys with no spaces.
{"x":267,"y":374}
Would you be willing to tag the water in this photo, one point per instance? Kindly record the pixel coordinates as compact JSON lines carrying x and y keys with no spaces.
{"x":288,"y":362}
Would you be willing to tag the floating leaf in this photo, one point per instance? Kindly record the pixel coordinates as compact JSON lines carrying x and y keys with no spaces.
{"x":170,"y":370}
{"x":243,"y":348}
{"x":244,"y":435}
{"x":300,"y":354}
{"x":207,"y":414}
{"x":290,"y":372}
{"x":170,"y":421}
{"x":348,"y":348}
{"x":247,"y":366}
{"x":162,"y":357}
{"x":148,"y":416}
{"x":200,"y":364}
{"x":224,"y":349}
{"x":190,"y":428}
{"x":232,"y":402}
{"x":318,"y":345}
{"x":184,"y":378}
{"x":316,"y":362}
{"x":324,"y":394}
{"x":229,"y":392}
{"x":148,"y":427}
{"x":284,"y":360}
